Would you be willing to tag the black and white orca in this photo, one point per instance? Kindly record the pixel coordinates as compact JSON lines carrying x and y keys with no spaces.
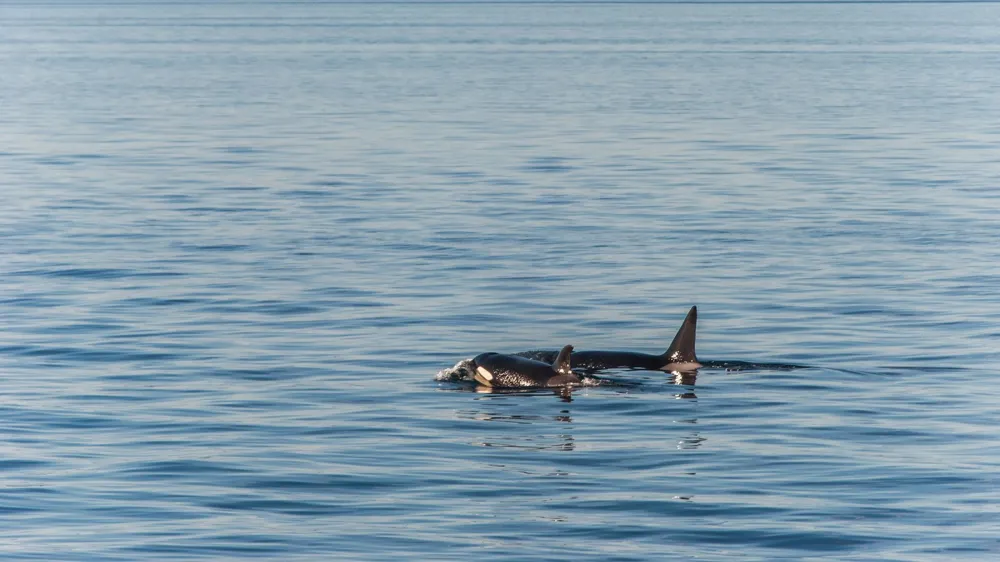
{"x":679,"y":357}
{"x":513,"y":371}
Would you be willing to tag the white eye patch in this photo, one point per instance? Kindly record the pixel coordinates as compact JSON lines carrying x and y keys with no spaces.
{"x":484,"y":376}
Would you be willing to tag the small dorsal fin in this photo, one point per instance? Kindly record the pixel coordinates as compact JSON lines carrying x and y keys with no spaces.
{"x":681,"y":350}
{"x":561,"y":364}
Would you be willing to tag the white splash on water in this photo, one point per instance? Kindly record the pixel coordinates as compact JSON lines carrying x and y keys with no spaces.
{"x":462,"y":371}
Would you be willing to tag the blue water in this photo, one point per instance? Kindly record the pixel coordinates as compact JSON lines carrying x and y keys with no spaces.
{"x":240,"y":240}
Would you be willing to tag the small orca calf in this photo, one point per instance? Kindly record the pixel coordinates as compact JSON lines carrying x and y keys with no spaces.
{"x":680,"y":356}
{"x":509,"y":371}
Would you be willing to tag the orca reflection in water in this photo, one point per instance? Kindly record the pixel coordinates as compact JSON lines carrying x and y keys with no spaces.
{"x":680,"y":356}
{"x":512,"y":371}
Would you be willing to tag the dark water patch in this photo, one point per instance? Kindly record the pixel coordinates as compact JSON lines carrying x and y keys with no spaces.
{"x":461,"y":174}
{"x":362,"y":431}
{"x":227,"y":162}
{"x":85,"y":274}
{"x":55,"y":161}
{"x":17,"y":465}
{"x":180,"y":469}
{"x":204,"y":210}
{"x":283,"y":308}
{"x":76,"y":273}
{"x":111,"y":397}
{"x":145,"y":376}
{"x":820,"y":541}
{"x":239,"y":149}
{"x":158,"y":302}
{"x":309,"y":483}
{"x":256,"y":405}
{"x":548,"y":165}
{"x":197,"y":431}
{"x":87,"y":355}
{"x":243,"y":188}
{"x":672,"y":507}
{"x":309,"y":194}
{"x":224,"y":248}
{"x":330,"y":183}
{"x":88,"y":156}
{"x":249,"y":545}
{"x":84,"y":327}
{"x":300,"y":507}
{"x":36,"y":300}
{"x":82,"y":422}
{"x":16,"y":349}
{"x":269,"y":373}
{"x":268,"y":308}
{"x":882,"y":513}
{"x":19,"y":510}
{"x":902,"y":434}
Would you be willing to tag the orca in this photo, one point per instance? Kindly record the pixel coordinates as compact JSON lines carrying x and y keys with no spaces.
{"x":497,"y":370}
{"x":679,"y":357}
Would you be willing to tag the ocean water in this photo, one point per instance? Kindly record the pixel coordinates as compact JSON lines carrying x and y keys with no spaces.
{"x":238,"y":242}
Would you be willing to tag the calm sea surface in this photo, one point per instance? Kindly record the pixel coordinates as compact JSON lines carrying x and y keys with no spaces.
{"x":237,"y":242}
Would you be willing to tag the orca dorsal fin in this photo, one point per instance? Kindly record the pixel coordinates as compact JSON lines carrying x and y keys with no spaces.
{"x":561,"y":364}
{"x":681,"y":350}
